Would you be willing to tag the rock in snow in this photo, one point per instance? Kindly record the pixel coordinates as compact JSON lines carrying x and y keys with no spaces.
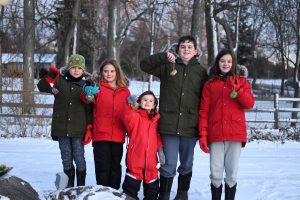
{"x":15,"y":188}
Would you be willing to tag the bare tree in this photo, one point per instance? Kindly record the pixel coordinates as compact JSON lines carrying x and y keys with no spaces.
{"x":28,"y":56}
{"x":297,"y":64}
{"x":113,"y":29}
{"x":211,"y":32}
{"x":276,"y":13}
{"x":198,"y":21}
{"x":67,"y":27}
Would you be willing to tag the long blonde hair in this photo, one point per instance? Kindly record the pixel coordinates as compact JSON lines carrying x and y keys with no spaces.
{"x":121,"y":79}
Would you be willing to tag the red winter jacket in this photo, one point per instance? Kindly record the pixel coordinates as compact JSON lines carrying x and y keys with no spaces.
{"x":107,"y":110}
{"x":222,"y":118}
{"x":144,"y":141}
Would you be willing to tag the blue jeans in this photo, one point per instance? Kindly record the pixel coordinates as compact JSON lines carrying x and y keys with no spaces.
{"x":72,"y":149}
{"x":174,"y":145}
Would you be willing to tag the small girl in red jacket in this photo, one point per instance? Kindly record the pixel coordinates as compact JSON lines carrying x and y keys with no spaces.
{"x":108,"y":135}
{"x":144,"y":143}
{"x":222,"y":123}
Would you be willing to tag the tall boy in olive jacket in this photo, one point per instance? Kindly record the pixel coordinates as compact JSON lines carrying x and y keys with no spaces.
{"x":182,"y":79}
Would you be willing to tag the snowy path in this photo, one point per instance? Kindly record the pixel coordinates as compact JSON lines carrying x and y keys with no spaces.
{"x":268,"y":171}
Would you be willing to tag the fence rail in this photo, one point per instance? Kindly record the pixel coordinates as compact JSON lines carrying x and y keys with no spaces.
{"x":275,"y":111}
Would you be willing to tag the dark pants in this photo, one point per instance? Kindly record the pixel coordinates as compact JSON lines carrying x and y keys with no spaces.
{"x":107,"y":157}
{"x":72,"y":149}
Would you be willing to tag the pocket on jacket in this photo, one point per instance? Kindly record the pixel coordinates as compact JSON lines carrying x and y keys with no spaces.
{"x":238,"y":123}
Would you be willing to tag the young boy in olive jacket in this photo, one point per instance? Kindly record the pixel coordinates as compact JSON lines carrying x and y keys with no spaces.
{"x":182,"y":79}
{"x":70,"y":116}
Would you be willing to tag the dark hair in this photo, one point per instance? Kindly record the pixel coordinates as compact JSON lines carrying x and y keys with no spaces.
{"x":155,"y":99}
{"x":184,"y":39}
{"x":215,"y":70}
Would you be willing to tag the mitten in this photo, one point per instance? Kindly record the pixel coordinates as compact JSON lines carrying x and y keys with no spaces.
{"x":90,"y":90}
{"x":235,"y":85}
{"x":203,"y":144}
{"x":161,"y":156}
{"x":88,"y":134}
{"x":52,"y":75}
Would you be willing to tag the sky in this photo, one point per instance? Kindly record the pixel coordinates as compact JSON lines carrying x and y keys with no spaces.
{"x":267,"y":170}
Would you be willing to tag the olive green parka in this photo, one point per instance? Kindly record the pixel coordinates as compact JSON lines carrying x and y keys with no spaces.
{"x":179,"y":94}
{"x":70,"y":115}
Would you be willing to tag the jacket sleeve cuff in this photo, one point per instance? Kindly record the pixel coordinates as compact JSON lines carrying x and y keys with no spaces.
{"x":203,"y":132}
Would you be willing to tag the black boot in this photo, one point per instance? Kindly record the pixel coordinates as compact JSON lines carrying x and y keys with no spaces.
{"x":80,"y":175}
{"x":151,"y":190}
{"x":165,"y":188}
{"x":216,"y":193}
{"x":131,"y":187}
{"x":230,"y":192}
{"x":183,"y":186}
{"x":71,"y":175}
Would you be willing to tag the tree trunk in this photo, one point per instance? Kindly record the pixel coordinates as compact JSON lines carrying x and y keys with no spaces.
{"x":211,"y":32}
{"x":28,"y":56}
{"x":197,"y":21}
{"x":1,"y":67}
{"x":297,"y":66}
{"x":113,"y":29}
{"x":66,"y":28}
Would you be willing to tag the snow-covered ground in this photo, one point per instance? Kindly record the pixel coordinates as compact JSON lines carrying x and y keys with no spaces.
{"x":268,"y":171}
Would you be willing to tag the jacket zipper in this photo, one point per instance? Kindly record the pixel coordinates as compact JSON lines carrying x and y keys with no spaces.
{"x":146,"y":162}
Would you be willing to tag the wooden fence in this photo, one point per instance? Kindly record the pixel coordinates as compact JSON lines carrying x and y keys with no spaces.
{"x":275,"y":110}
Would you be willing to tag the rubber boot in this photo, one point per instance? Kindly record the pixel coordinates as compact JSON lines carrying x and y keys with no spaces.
{"x":131,"y":187}
{"x":80,"y":175}
{"x":165,"y":188}
{"x":183,"y":186}
{"x":151,"y":190}
{"x":71,"y":175}
{"x":230,"y":192}
{"x":216,"y":193}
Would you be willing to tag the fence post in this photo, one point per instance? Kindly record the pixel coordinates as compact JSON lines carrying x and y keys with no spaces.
{"x":276,"y":106}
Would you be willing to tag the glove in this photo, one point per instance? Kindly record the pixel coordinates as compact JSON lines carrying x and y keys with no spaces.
{"x":203,"y":144}
{"x":235,"y":85}
{"x":88,"y":134}
{"x":90,"y":89}
{"x":161,"y":156}
{"x":132,"y":102}
{"x":52,"y":75}
{"x":132,"y":99}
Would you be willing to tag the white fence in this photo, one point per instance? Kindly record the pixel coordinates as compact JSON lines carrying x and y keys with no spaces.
{"x":277,"y":112}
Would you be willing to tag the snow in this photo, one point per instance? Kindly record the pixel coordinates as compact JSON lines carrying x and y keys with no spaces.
{"x":267,"y":171}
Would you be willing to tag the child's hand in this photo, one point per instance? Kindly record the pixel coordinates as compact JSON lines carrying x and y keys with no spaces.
{"x":88,"y":134}
{"x":132,"y":101}
{"x":203,"y":144}
{"x":134,"y":105}
{"x":171,"y":57}
{"x":91,"y":89}
{"x":235,"y":84}
{"x":52,"y":75}
{"x":161,"y":156}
